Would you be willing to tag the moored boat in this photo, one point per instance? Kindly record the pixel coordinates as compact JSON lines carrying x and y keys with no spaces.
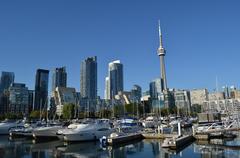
{"x":49,"y":131}
{"x":150,"y":122}
{"x":129,"y":125}
{"x":7,"y":125}
{"x":86,"y":130}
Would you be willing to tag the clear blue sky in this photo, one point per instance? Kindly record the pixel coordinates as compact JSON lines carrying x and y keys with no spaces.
{"x":202,"y":39}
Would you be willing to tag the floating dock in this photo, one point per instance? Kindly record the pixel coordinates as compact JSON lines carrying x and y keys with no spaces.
{"x":124,"y":139}
{"x":157,"y":135}
{"x":208,"y":136}
{"x":201,"y":136}
{"x":176,"y":143}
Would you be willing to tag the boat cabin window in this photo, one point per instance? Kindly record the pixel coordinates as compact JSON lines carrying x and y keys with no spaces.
{"x":103,"y":129}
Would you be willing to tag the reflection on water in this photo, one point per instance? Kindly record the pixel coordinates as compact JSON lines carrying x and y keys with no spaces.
{"x":23,"y":148}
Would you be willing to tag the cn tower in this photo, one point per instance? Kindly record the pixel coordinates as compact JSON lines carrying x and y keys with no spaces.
{"x":161,"y":54}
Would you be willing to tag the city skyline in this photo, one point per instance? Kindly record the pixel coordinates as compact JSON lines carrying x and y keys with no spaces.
{"x":195,"y":42}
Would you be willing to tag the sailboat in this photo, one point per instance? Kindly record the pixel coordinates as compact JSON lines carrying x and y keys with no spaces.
{"x":49,"y":130}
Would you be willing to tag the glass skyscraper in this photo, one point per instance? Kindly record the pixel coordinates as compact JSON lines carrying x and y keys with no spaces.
{"x":59,"y":78}
{"x":41,"y":89}
{"x":88,"y":78}
{"x":7,"y":78}
{"x":114,"y":82}
{"x":156,"y":95}
{"x":136,"y":94}
{"x":155,"y":88}
{"x":30,"y":100}
{"x":18,"y":99}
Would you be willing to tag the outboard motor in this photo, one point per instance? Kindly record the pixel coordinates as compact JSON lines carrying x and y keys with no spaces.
{"x":103,"y":141}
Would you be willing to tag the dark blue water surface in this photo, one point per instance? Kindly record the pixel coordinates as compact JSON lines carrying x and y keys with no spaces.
{"x":23,"y":148}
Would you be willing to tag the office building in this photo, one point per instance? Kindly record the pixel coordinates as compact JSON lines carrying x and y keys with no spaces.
{"x":235,"y":94}
{"x":114,"y":82}
{"x":107,"y":88}
{"x":216,"y":96}
{"x":64,"y":96}
{"x":41,"y":89}
{"x":18,"y":99}
{"x":182,"y":101}
{"x":198,"y":96}
{"x":59,"y":78}
{"x":7,"y":78}
{"x":88,"y":78}
{"x":155,"y":88}
{"x":136,"y":94}
{"x":30,"y":100}
{"x":123,"y":97}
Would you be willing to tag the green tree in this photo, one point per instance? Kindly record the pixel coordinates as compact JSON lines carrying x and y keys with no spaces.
{"x":68,"y":111}
{"x":104,"y":113}
{"x":164,"y":112}
{"x":173,"y":110}
{"x":14,"y":116}
{"x":2,"y":117}
{"x":35,"y":114}
{"x":118,"y":110}
{"x":146,"y":106}
{"x":128,"y":109}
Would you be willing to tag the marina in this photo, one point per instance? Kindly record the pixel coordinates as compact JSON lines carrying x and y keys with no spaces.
{"x":107,"y":137}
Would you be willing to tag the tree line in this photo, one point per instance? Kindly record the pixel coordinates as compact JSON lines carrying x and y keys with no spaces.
{"x":118,"y":111}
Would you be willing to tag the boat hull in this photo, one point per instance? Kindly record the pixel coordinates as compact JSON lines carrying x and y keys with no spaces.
{"x":46,"y":132}
{"x":86,"y":136}
{"x":21,"y":134}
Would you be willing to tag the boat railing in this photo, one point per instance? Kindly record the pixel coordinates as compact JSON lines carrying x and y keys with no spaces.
{"x":212,"y":126}
{"x":232,"y":124}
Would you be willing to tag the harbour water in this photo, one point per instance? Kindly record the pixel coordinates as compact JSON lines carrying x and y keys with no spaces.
{"x":22,"y":148}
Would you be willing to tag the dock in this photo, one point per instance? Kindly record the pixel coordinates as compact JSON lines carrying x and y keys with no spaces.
{"x":219,"y":130}
{"x":208,"y":136}
{"x":157,"y":135}
{"x":124,"y":139}
{"x":201,"y":136}
{"x":176,"y":143}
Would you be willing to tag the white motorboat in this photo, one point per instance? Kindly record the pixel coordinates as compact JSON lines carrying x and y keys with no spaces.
{"x":7,"y":125}
{"x":60,"y":132}
{"x":186,"y":123}
{"x":48,"y":131}
{"x":129,"y":125}
{"x":150,"y":122}
{"x":25,"y":131}
{"x":86,"y":131}
{"x":174,"y":123}
{"x":21,"y":132}
{"x":208,"y":127}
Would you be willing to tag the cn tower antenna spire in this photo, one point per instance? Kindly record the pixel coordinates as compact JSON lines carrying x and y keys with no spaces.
{"x":160,"y":34}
